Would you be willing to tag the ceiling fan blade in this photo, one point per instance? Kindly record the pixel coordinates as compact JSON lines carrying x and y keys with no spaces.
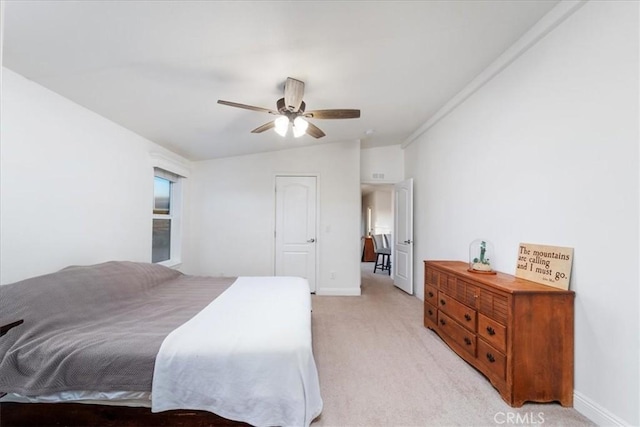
{"x":314,"y":131}
{"x":293,"y":93}
{"x":333,"y":114}
{"x":247,"y":107}
{"x":266,"y":126}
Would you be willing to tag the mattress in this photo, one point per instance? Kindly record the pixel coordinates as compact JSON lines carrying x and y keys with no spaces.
{"x":115,"y":398}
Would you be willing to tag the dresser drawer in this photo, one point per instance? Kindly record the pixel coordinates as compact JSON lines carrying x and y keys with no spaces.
{"x":492,"y":332}
{"x":467,"y":293}
{"x":430,"y":314}
{"x":492,"y":360}
{"x":457,"y":333}
{"x":448,"y":283}
{"x":494,"y":305}
{"x":431,"y":295}
{"x":466,"y":316}
{"x":431,"y":277}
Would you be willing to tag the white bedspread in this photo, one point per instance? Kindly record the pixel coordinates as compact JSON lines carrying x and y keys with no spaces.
{"x":247,"y":356}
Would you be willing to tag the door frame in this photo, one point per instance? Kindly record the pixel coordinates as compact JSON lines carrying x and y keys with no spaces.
{"x":394,"y":231}
{"x":362,"y":209}
{"x":317,"y":231}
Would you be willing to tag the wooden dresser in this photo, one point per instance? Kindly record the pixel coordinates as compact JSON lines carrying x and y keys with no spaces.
{"x":368,"y":253}
{"x":518,"y":333}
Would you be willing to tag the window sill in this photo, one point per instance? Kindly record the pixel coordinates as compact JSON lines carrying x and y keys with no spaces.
{"x":175,"y":264}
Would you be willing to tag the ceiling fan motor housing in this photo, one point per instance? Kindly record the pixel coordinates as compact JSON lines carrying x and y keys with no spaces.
{"x":283,"y":109}
{"x":286,"y":111}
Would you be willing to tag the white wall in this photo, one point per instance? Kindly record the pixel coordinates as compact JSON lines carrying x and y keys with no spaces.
{"x":380,"y":202}
{"x":76,"y":188}
{"x":547,"y":152}
{"x":388,"y":161}
{"x":383,"y":208}
{"x":233,"y":212}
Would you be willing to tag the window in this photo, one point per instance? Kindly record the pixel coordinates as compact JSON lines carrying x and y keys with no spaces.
{"x":166,"y":217}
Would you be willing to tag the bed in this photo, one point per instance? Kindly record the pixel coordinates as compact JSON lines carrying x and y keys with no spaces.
{"x":143,"y":335}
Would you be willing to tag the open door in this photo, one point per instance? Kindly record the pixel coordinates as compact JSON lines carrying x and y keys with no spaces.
{"x":403,"y":236}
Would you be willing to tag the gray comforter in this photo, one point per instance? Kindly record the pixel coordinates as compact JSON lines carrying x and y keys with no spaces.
{"x":95,"y":328}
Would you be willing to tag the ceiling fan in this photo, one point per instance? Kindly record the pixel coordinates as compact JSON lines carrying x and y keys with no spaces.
{"x":291,"y":110}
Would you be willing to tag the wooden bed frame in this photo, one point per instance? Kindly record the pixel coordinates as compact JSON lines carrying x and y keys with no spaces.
{"x":5,"y":328}
{"x":86,"y":415}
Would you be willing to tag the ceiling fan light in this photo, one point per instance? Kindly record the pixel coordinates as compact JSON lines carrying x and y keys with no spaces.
{"x":281,"y":125}
{"x":300,"y":126}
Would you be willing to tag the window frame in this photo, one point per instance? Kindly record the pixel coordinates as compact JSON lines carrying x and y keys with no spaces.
{"x":174,"y":215}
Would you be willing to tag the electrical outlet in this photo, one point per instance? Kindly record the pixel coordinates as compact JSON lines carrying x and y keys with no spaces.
{"x":332,"y":275}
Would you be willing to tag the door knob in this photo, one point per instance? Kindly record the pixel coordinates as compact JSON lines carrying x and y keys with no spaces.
{"x":407,"y":241}
{"x":311,"y":240}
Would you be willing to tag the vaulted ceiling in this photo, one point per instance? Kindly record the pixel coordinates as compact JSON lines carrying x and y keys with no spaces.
{"x":158,"y":67}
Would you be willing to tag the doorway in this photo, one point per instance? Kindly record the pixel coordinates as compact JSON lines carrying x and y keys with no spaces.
{"x":376,"y":218}
{"x":387,"y":209}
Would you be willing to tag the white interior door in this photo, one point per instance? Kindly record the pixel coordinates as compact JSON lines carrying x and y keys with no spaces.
{"x":403,"y":236}
{"x":295,"y":234}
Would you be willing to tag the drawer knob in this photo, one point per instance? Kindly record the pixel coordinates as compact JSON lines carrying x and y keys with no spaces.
{"x":490,"y":358}
{"x":467,"y":317}
{"x":430,"y":312}
{"x":442,"y":322}
{"x":467,"y":341}
{"x":443,"y":302}
{"x":490,"y":330}
{"x":430,"y":294}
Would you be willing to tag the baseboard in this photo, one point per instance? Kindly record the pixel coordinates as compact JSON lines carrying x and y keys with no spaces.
{"x":595,"y":412}
{"x":344,"y":292}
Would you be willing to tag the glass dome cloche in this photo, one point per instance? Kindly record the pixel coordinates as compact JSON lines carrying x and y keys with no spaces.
{"x":481,"y":257}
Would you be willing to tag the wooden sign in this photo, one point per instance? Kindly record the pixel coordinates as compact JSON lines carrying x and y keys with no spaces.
{"x":548,"y":265}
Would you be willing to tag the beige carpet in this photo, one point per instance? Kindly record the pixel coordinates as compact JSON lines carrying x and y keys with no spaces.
{"x":379,"y":366}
